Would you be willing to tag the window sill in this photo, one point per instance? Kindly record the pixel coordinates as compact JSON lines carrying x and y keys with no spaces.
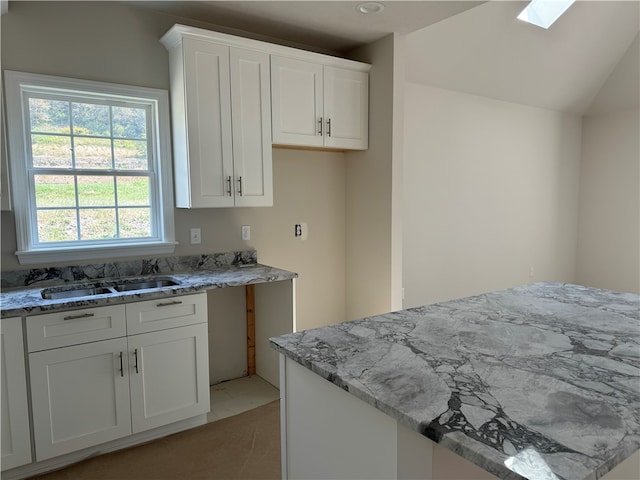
{"x":31,"y":257}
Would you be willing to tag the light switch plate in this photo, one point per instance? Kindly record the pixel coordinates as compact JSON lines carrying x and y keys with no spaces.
{"x":194,"y":236}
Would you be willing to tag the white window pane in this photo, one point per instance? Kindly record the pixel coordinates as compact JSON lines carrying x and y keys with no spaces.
{"x":133,"y":191}
{"x":55,"y":191}
{"x":90,"y":119}
{"x":131,"y":154}
{"x":57,"y":225}
{"x":92,"y":153}
{"x":49,"y":116}
{"x":135,"y":222}
{"x":129,"y":122}
{"x":96,"y":191}
{"x":97,"y":223}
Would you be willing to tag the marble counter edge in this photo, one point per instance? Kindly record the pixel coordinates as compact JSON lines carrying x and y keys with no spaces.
{"x":28,"y":301}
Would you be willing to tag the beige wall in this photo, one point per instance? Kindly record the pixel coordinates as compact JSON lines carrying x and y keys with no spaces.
{"x":107,"y":41}
{"x":490,"y":190}
{"x":609,"y":226}
{"x":371,"y":257}
{"x":609,"y":234}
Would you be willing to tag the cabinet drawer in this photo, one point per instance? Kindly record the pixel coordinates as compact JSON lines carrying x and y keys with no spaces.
{"x":166,"y":313}
{"x":62,"y":329}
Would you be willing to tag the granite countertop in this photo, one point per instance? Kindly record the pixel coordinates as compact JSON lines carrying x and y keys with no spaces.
{"x":193,"y":274}
{"x":539,"y":382}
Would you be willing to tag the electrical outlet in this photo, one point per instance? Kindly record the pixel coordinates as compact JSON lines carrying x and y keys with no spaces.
{"x":194,"y":236}
{"x":300,"y":231}
{"x":246,"y":232}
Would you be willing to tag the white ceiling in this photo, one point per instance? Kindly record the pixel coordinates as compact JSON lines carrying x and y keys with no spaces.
{"x":475,"y":47}
{"x":487,"y":51}
{"x":331,"y":26}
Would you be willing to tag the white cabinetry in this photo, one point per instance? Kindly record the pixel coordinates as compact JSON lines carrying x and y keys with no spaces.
{"x":85,"y":394}
{"x":316,"y":105}
{"x":169,"y":377}
{"x":80,"y":396}
{"x":220,"y":97}
{"x":16,"y":441}
{"x":170,"y":381}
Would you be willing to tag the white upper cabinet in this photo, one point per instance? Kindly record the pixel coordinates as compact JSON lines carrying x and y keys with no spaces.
{"x":225,"y":93}
{"x":316,"y":105}
{"x":297,"y":112}
{"x":220,"y":98}
{"x":251,"y":121}
{"x":346,"y":108}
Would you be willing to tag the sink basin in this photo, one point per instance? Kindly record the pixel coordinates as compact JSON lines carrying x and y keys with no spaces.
{"x":145,"y":284}
{"x":98,"y":289}
{"x":84,"y":291}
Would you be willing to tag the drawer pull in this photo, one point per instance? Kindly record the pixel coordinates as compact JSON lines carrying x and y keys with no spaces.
{"x":168,"y":304}
{"x":76,"y":317}
{"x":121,"y":368}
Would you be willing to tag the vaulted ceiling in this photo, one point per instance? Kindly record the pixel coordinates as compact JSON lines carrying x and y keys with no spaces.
{"x":487,"y":51}
{"x":470,"y":46}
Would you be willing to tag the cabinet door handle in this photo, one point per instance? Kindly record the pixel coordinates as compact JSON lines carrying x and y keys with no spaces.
{"x":229,"y":185}
{"x":76,"y":317}
{"x":320,"y":126}
{"x":328,"y":127}
{"x":121,"y":367}
{"x":240,"y":185}
{"x":135,"y":354}
{"x":167,"y":304}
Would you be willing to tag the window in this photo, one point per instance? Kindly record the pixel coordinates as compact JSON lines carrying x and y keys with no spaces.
{"x":90,"y":168}
{"x":544,"y":13}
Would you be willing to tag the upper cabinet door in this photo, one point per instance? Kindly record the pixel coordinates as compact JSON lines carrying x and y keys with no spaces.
{"x":251,"y":120}
{"x":202,"y":130}
{"x":297,"y":111}
{"x":317,"y":105}
{"x":346,"y":108}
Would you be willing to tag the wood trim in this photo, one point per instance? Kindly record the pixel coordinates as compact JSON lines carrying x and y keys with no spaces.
{"x":251,"y":329}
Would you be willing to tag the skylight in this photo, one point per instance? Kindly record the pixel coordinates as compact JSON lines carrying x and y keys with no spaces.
{"x":544,"y":13}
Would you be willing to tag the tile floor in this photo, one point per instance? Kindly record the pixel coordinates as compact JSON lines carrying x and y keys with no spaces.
{"x":240,"y":395}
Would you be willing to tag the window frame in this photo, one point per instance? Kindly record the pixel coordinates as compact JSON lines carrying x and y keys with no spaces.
{"x":18,"y":86}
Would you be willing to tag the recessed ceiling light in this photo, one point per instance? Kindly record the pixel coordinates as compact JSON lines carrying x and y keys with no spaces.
{"x":370,"y":7}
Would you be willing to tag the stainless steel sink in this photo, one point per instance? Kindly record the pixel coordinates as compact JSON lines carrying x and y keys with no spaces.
{"x":81,"y":291}
{"x":145,"y":284}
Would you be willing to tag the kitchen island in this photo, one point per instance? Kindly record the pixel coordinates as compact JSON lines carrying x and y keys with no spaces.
{"x":539,"y":382}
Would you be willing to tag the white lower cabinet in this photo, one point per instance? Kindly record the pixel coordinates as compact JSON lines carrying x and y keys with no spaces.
{"x":80,"y":397}
{"x":87,"y":394}
{"x":16,"y":440}
{"x":170,"y":376}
